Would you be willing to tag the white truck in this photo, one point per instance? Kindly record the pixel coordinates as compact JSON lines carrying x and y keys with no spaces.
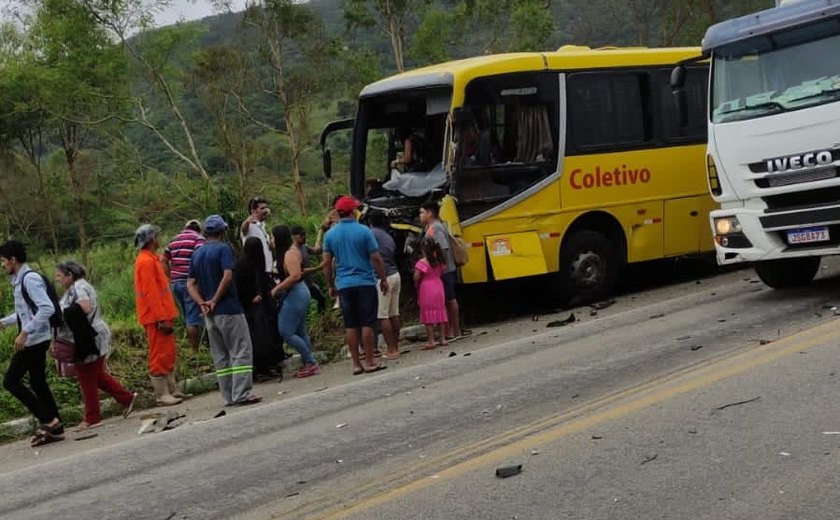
{"x":774,"y":138}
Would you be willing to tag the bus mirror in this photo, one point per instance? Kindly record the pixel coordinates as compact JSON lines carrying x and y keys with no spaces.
{"x":327,"y":163}
{"x":678,"y":78}
{"x":677,"y":87}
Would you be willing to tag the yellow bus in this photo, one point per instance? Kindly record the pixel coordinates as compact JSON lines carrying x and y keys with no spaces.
{"x":575,"y":162}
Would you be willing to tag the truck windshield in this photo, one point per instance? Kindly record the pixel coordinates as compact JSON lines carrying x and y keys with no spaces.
{"x":770,"y":74}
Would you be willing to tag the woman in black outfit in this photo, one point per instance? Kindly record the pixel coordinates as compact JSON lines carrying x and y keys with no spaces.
{"x":253,"y":285}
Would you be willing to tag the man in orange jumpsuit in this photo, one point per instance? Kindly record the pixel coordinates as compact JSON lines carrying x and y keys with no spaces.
{"x":156,"y":312}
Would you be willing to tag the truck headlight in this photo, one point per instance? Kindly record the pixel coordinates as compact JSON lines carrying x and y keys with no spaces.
{"x":727,"y":226}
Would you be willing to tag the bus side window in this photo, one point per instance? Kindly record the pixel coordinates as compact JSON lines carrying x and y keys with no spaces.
{"x":609,"y":110}
{"x":696,"y":87}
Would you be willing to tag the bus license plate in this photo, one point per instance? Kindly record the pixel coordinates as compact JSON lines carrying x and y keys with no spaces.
{"x":808,"y":235}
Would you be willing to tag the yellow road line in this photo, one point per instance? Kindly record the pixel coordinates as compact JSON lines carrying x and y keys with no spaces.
{"x":646,"y":395}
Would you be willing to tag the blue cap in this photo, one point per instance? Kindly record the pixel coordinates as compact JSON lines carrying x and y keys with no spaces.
{"x":215,"y":224}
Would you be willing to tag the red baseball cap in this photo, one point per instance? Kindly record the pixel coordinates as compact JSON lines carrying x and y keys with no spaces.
{"x":347,"y":204}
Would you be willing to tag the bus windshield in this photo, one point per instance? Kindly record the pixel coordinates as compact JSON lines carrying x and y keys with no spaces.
{"x":400,"y":140}
{"x":771,"y":74}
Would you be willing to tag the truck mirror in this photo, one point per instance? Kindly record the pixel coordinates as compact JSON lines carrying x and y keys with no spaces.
{"x":327,"y":163}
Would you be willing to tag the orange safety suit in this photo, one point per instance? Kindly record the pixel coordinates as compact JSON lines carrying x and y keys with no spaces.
{"x":155,"y":303}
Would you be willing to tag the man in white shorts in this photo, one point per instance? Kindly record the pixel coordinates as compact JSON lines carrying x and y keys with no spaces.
{"x":389,"y":304}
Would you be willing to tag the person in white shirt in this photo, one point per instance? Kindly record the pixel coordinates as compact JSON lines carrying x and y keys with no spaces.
{"x":254,"y":226}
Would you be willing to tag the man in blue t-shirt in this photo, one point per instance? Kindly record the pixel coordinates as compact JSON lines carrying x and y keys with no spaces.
{"x":356,"y":255}
{"x":210,"y":285}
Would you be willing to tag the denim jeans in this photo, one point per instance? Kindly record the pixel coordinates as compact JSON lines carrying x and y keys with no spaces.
{"x":292,"y":321}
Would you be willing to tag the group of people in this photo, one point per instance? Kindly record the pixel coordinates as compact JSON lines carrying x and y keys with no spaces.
{"x":247,"y":308}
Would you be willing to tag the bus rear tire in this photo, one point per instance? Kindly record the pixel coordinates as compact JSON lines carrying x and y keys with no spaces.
{"x":789,"y":272}
{"x":588,"y":267}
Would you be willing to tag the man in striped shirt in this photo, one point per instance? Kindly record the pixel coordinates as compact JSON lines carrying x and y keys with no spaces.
{"x":176,"y":262}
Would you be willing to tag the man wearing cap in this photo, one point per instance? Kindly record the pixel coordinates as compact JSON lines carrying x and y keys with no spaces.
{"x":176,"y":263}
{"x":254,"y":226}
{"x":211,"y":286}
{"x":156,"y":312}
{"x":356,"y":255}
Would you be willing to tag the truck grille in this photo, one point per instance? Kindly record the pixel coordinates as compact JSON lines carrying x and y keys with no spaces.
{"x":802,"y":199}
{"x":797,"y":177}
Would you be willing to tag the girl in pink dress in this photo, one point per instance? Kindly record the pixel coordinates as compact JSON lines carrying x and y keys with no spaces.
{"x":430,"y":293}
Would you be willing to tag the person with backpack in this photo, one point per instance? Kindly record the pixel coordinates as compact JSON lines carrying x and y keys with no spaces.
{"x":36,"y":315}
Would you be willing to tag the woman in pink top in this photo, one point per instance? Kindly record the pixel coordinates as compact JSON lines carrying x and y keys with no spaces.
{"x":430,"y":293}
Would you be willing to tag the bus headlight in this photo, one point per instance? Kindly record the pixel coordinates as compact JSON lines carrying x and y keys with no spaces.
{"x":727,"y":226}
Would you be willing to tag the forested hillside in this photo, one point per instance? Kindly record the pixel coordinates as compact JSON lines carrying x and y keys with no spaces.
{"x":106,"y":121}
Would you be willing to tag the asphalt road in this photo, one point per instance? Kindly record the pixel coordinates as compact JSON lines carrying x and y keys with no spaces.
{"x":630,"y":415}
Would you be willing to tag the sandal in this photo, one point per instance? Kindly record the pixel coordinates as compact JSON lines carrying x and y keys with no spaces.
{"x":377,"y":368}
{"x":358,"y":370}
{"x":429,"y":346}
{"x":46,"y":434}
{"x":85,"y":426}
{"x":308,"y":371}
{"x":391,"y":357}
{"x":130,"y":407}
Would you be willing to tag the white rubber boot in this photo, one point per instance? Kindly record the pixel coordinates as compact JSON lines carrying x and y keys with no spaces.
{"x":173,"y":387}
{"x":162,"y":395}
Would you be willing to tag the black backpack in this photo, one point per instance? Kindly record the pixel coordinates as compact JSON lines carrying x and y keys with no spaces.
{"x":57,"y":318}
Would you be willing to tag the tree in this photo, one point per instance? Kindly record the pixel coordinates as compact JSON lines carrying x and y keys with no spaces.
{"x":69,"y":85}
{"x":294,"y":47}
{"x":130,"y":22}
{"x":219,"y":80}
{"x":392,"y":17}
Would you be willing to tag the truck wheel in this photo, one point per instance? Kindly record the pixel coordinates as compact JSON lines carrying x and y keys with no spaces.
{"x":588,"y":267}
{"x":790,"y":272}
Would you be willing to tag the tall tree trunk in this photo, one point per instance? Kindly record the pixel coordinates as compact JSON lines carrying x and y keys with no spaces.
{"x":32,"y":144}
{"x":395,"y":32}
{"x":71,"y":153}
{"x":295,"y":149}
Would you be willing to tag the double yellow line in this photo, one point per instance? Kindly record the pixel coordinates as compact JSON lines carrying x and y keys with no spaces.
{"x":513,"y":443}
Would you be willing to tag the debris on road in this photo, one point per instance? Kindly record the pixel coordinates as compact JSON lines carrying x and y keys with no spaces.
{"x":220,"y":414}
{"x":693,"y":431}
{"x":161,"y":421}
{"x":534,"y":452}
{"x":290,"y":495}
{"x":597,"y":437}
{"x":593,"y":313}
{"x":722,"y":320}
{"x":765,"y":341}
{"x":340,"y":425}
{"x":695,"y":348}
{"x":452,"y":354}
{"x":650,"y":459}
{"x":831,"y":433}
{"x":656,"y":316}
{"x":738,"y":403}
{"x":508,"y":471}
{"x":784,"y":454}
{"x":86,"y":436}
{"x":281,"y":392}
{"x":562,"y":323}
{"x":683,"y":338}
{"x":599,"y":306}
{"x":467,"y":354}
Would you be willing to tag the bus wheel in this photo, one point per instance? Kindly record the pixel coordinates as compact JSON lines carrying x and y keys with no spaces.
{"x":789,"y":272}
{"x":588,"y":267}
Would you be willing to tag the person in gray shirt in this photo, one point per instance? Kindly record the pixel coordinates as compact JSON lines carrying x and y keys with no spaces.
{"x":436,"y":230}
{"x":389,"y":304}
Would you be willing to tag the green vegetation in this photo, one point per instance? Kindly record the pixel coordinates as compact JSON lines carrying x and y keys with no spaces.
{"x":107,"y":122}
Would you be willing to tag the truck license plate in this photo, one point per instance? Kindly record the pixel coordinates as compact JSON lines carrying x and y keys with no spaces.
{"x":808,"y":235}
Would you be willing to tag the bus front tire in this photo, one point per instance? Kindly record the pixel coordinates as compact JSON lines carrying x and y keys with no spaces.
{"x":588,"y":267}
{"x":789,"y":272}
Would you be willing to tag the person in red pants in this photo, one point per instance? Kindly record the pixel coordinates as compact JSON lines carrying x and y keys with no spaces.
{"x":91,"y":370}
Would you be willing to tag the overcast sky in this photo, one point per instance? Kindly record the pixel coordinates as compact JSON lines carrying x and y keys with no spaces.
{"x":191,"y":10}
